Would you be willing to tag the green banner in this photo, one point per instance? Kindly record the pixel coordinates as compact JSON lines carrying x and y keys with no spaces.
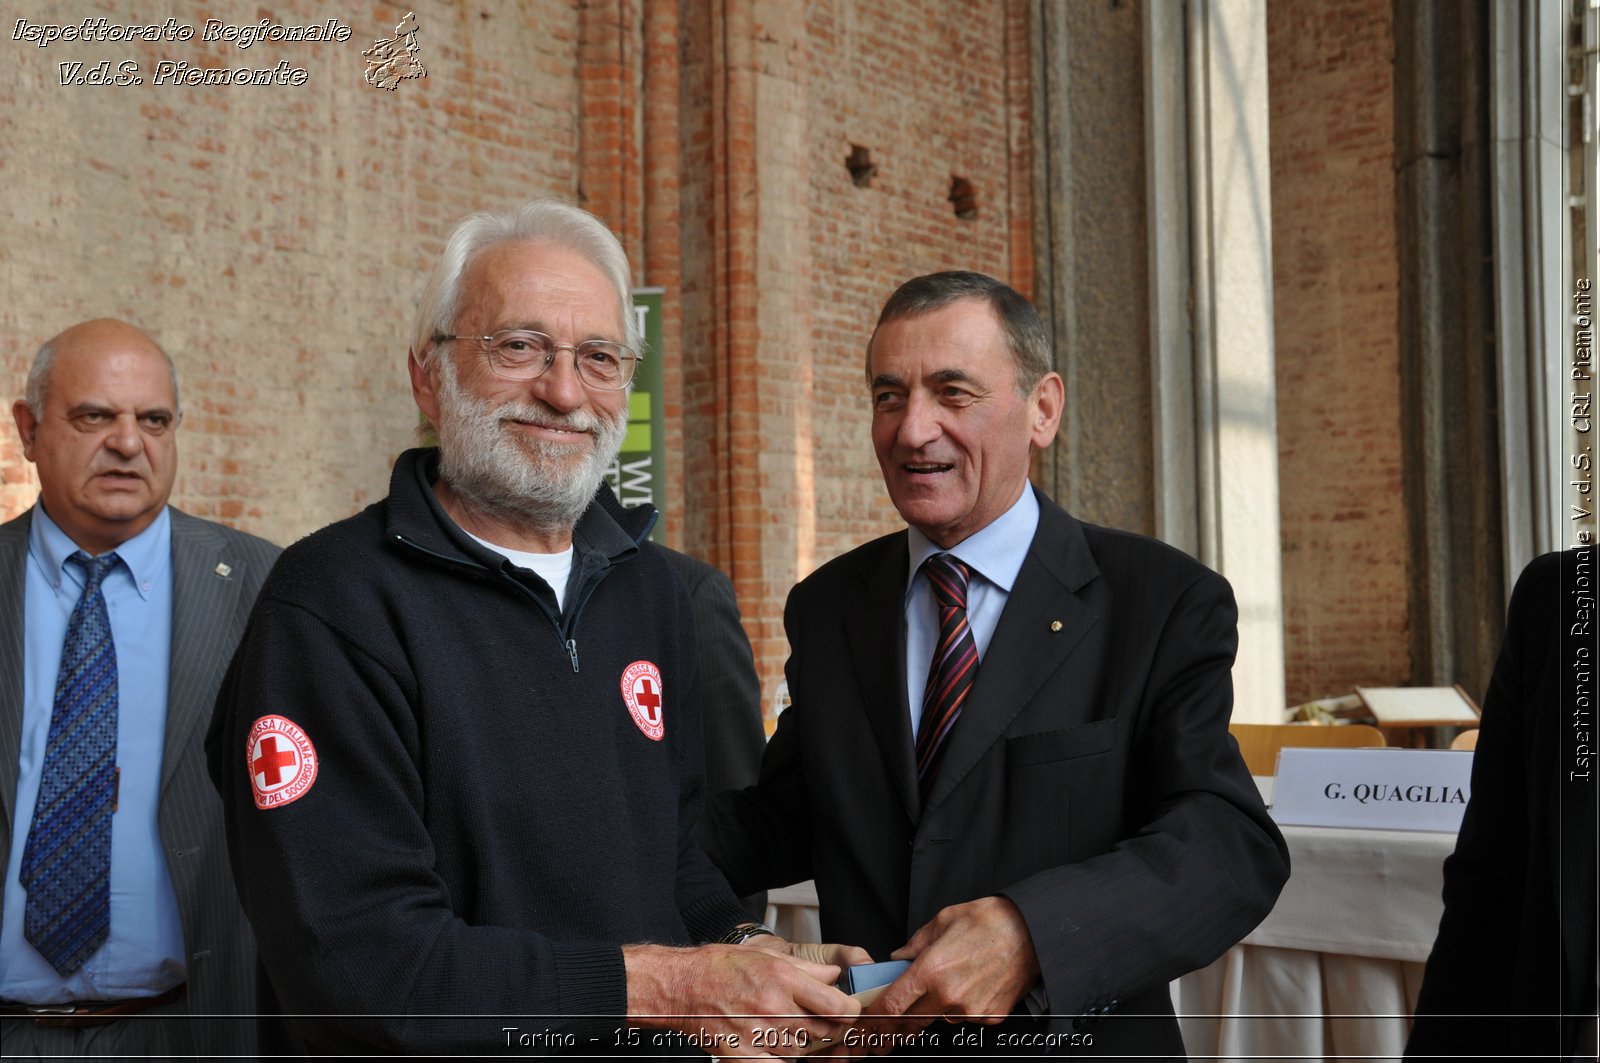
{"x":636,"y":476}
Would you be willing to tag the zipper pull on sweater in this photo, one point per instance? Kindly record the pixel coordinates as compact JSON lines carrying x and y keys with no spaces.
{"x":572,"y":651}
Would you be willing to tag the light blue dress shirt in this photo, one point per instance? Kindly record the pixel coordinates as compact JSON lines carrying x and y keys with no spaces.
{"x":994,"y":554}
{"x":144,"y":954}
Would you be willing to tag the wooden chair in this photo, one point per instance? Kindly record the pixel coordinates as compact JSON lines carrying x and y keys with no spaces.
{"x":1467,"y":739}
{"x":1259,"y":742}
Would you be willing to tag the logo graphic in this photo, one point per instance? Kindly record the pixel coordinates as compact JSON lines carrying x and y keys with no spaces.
{"x":281,"y":761}
{"x":393,"y":60}
{"x":641,"y":691}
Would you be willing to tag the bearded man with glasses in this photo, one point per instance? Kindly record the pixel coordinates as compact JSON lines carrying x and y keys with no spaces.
{"x":460,"y":744}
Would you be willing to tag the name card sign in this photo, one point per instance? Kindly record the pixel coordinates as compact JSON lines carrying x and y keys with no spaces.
{"x":1393,"y":789}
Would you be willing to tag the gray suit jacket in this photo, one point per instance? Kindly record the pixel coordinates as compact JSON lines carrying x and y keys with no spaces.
{"x":209,"y":611}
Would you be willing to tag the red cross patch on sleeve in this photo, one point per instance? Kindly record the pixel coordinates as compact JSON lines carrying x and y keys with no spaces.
{"x":641,"y":692}
{"x":281,"y":761}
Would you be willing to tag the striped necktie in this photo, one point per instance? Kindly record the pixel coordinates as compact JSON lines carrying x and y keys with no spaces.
{"x":952,"y":670}
{"x":66,"y":866}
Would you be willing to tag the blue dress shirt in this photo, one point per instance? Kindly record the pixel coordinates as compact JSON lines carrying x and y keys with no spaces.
{"x":994,"y":554}
{"x":144,"y":954}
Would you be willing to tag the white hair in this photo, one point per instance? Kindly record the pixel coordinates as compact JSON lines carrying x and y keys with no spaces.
{"x":543,"y":220}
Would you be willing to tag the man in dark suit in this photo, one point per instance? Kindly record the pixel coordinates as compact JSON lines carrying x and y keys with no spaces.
{"x":1512,"y":973}
{"x":730,"y":691}
{"x":1007,"y":757}
{"x":161,"y":597}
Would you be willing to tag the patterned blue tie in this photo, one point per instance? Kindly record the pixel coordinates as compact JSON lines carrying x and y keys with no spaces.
{"x":66,"y":867}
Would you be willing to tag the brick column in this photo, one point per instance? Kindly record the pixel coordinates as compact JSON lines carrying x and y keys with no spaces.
{"x":610,"y":180}
{"x":662,"y":264}
{"x":766,"y":509}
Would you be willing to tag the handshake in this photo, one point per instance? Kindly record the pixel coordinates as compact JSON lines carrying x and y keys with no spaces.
{"x":770,"y":998}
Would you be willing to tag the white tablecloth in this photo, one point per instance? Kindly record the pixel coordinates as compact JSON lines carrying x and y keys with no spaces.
{"x":792,"y":912}
{"x":1333,"y":971}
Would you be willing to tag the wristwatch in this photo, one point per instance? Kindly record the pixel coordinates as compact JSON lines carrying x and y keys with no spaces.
{"x":744,"y":932}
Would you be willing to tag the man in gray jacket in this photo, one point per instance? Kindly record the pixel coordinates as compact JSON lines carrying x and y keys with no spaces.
{"x":118,"y":615}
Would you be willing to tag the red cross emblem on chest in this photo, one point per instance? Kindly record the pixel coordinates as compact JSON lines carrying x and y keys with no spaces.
{"x":642,"y":691}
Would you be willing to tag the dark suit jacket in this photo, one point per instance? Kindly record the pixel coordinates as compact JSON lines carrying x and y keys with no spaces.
{"x":1091,"y":778}
{"x":209,"y":611}
{"x":730,"y":692}
{"x":1516,"y":944}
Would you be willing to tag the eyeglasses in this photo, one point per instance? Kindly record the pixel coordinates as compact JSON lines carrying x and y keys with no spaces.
{"x":522,"y":354}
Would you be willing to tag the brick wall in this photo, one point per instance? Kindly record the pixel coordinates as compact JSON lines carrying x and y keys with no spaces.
{"x":275,"y":238}
{"x":272,"y":238}
{"x":925,"y":89}
{"x":786,"y":260}
{"x":1335,"y":276}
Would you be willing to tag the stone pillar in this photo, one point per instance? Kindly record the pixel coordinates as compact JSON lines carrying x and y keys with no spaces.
{"x":1090,"y":277}
{"x":1448,"y":364}
{"x":1533,"y":269}
{"x":1154,"y":270}
{"x":1235,"y":380}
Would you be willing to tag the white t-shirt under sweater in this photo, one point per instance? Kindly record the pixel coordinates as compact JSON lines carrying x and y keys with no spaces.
{"x":552,"y":568}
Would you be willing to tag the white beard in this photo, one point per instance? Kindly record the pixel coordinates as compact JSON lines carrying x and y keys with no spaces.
{"x":532,"y":481}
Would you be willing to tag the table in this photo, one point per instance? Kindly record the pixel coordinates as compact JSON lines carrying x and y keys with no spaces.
{"x":792,"y":912}
{"x":1333,"y":971}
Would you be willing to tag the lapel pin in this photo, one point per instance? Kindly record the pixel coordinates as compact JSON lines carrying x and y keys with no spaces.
{"x":1055,"y":625}
{"x":224,"y":570}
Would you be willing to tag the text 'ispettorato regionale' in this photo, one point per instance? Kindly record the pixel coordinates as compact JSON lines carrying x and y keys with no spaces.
{"x":242,"y":35}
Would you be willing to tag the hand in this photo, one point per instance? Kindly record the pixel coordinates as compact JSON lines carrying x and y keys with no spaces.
{"x":971,"y":963}
{"x":737,"y":999}
{"x":840,"y":956}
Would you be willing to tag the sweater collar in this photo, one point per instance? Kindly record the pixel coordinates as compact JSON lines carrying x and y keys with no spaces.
{"x":606,"y":528}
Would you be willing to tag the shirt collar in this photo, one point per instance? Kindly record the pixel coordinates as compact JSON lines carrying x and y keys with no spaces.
{"x":147,"y":554}
{"x":995,"y":551}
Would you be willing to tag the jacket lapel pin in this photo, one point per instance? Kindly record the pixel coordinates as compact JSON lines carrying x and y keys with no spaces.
{"x":224,"y":569}
{"x":1055,"y":625}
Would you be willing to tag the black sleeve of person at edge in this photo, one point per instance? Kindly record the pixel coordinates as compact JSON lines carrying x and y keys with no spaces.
{"x":1512,"y":971}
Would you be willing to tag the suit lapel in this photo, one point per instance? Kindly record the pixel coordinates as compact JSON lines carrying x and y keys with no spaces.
{"x":203,"y":597}
{"x":13,"y":573}
{"x":876,"y":635}
{"x":1027,"y":647}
